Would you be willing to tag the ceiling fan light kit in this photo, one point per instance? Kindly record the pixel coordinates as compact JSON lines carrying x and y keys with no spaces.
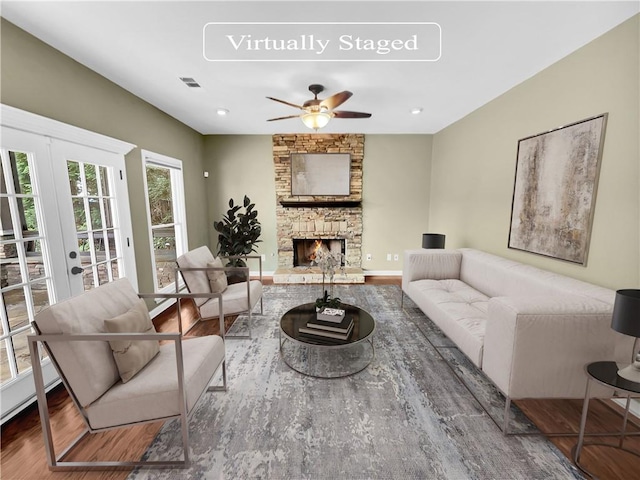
{"x":315,"y":120}
{"x":317,"y":113}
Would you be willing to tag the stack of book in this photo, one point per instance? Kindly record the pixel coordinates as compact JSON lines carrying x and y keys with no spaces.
{"x":330,"y":324}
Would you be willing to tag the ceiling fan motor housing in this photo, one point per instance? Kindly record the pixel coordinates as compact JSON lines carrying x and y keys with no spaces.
{"x":316,"y":89}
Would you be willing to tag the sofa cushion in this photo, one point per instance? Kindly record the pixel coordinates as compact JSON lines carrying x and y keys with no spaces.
{"x":153,"y":394}
{"x":459,"y":310}
{"x":131,"y":356}
{"x":89,"y":367}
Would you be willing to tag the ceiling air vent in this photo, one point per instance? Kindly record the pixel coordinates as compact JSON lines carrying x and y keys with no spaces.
{"x":190,"y":82}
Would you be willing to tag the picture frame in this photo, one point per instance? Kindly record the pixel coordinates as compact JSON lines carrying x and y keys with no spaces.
{"x":320,"y":174}
{"x":554,"y":191}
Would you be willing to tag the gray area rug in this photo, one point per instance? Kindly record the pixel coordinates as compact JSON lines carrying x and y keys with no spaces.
{"x":406,"y":416}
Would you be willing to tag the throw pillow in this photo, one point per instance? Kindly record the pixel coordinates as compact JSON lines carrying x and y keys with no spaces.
{"x":217,"y":278}
{"x":132,"y":355}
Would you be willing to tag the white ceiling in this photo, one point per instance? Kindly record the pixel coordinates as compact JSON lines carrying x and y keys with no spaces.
{"x":487,"y":48}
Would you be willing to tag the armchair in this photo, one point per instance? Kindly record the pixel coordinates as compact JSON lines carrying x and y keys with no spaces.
{"x":73,"y":334}
{"x":198,"y":271}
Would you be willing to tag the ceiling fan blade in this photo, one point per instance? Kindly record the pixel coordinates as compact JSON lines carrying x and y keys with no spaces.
{"x":345,"y":114}
{"x":283,"y":118}
{"x":336,"y":100}
{"x":286,"y":103}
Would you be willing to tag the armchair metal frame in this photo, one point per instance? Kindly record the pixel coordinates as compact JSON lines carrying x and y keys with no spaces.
{"x":245,"y":272}
{"x":57,"y":462}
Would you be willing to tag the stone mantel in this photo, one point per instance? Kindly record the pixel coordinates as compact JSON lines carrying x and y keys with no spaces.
{"x":290,"y":203}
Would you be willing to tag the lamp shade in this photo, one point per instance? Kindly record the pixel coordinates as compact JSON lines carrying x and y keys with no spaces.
{"x":432,"y":240}
{"x":626,"y":313}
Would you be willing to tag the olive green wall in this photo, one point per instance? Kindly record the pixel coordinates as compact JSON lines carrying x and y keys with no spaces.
{"x":242,"y":165}
{"x":42,"y":80}
{"x":395,"y":191}
{"x":473,"y":164}
{"x":395,"y":197}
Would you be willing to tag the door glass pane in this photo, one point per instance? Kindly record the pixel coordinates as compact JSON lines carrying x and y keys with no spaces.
{"x":159,"y":191}
{"x":100,"y":246}
{"x":35,"y":262}
{"x":90,"y":178}
{"x":16,"y":308}
{"x":21,"y":350}
{"x":164,"y":249}
{"x":9,"y":265}
{"x":79,"y":214}
{"x":5,"y":369}
{"x":87,"y":279}
{"x":108,"y":219}
{"x":115,"y":269}
{"x":75,"y":181}
{"x":40,"y":295}
{"x":94,"y":211}
{"x":103,"y":273}
{"x":104,"y":181}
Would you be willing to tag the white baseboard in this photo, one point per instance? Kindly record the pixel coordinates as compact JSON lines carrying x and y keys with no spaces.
{"x":383,"y":273}
{"x":634,"y":407}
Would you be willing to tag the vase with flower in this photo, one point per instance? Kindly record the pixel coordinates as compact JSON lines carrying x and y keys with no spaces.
{"x":328,"y":262}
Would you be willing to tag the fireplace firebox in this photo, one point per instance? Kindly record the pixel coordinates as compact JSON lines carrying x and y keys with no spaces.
{"x":304,"y":249}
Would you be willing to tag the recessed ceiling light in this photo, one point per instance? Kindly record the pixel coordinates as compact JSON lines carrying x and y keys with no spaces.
{"x":416,"y":110}
{"x":222,"y":111}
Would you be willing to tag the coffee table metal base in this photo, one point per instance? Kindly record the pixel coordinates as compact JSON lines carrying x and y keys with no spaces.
{"x":321,"y":361}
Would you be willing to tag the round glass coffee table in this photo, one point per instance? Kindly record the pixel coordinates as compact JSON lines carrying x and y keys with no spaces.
{"x":322,"y":358}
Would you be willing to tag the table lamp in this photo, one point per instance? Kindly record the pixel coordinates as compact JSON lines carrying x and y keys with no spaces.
{"x":626,"y":320}
{"x":432,"y":240}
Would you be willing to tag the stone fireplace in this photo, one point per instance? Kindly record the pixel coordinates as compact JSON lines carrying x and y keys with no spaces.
{"x":326,"y":218}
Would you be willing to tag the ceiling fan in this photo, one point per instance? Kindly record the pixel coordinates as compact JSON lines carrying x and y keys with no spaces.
{"x":317,"y":113}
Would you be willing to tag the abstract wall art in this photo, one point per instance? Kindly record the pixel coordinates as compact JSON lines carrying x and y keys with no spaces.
{"x":555,"y":190}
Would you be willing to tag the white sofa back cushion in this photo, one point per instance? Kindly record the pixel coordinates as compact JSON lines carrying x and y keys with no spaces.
{"x":89,"y":367}
{"x":499,"y":277}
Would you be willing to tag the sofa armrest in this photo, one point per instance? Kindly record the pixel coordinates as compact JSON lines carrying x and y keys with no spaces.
{"x":537,"y":347}
{"x":432,"y":264}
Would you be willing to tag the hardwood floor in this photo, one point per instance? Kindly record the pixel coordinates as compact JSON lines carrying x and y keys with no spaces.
{"x":23,"y":456}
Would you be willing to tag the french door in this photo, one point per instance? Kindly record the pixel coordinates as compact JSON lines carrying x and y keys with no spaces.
{"x":65,"y":228}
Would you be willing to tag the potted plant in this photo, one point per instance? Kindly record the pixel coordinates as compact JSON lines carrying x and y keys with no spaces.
{"x":238,"y":231}
{"x":327,"y":301}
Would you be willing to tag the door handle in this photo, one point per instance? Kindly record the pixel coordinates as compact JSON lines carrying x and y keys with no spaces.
{"x":76,"y":270}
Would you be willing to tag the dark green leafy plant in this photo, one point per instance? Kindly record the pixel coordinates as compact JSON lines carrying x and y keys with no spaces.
{"x":238,"y":231}
{"x":327,"y":301}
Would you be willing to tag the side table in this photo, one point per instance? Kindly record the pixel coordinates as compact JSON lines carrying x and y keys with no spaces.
{"x":605,"y":373}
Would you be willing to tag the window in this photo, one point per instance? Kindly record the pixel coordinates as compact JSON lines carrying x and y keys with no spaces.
{"x":166,"y":216}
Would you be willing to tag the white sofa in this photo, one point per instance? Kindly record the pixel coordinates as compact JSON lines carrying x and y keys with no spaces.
{"x":531,"y":331}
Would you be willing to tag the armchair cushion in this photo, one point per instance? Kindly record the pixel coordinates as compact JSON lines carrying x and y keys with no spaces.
{"x":217,"y":278}
{"x":196,"y":281}
{"x":154,"y":393}
{"x":89,"y":367}
{"x":131,"y":356}
{"x":234,"y":299}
